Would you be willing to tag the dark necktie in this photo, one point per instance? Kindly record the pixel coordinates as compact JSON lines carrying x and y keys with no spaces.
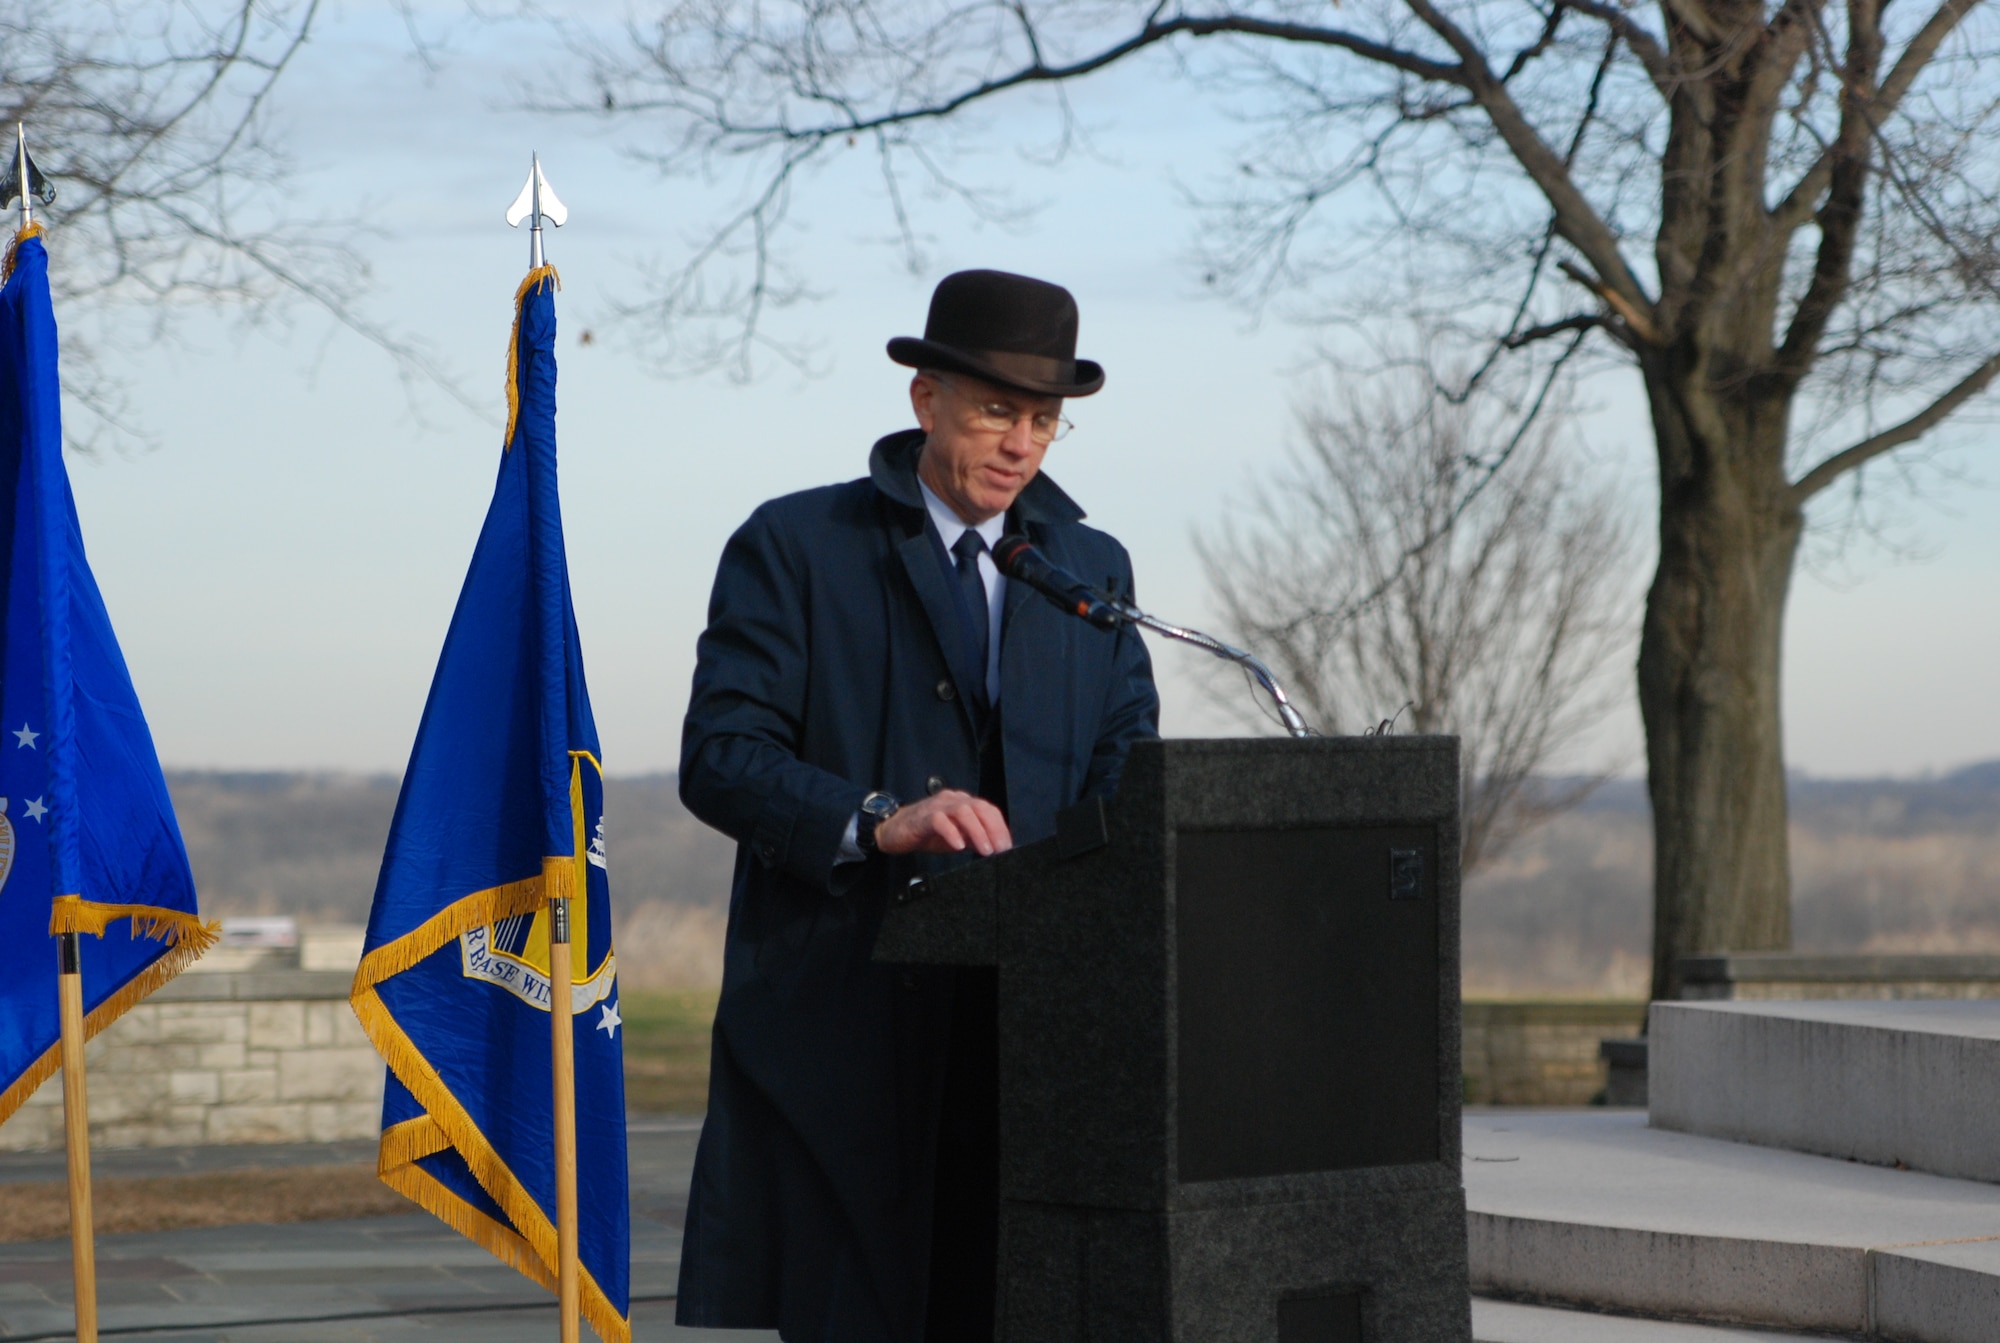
{"x":972,"y":590}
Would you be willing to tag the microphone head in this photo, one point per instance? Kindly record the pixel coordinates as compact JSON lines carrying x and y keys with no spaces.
{"x":1009,"y":551}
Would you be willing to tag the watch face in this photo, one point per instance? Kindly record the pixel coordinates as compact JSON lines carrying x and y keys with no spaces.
{"x":879,"y":805}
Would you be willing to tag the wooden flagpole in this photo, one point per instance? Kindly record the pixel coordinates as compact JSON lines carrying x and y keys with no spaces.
{"x":536,"y":203}
{"x":563,"y":1040}
{"x":76,"y":1124}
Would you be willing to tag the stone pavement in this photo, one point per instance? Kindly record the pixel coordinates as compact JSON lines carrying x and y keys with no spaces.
{"x":1513,"y":1322}
{"x":409,"y":1279}
{"x":392,"y":1279}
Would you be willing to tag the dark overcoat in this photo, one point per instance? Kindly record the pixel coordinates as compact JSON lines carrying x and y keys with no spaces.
{"x":835,"y":662}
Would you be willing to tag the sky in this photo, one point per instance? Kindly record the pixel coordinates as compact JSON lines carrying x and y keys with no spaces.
{"x":281,"y":559}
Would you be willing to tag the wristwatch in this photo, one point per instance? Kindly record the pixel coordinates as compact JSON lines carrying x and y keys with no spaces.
{"x":875,"y":809}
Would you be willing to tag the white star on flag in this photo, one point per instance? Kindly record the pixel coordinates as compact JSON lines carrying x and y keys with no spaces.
{"x":26,"y":736}
{"x":36,"y":810}
{"x":610,"y":1021}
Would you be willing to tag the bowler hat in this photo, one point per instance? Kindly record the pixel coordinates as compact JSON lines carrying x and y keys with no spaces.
{"x":1004,"y":328}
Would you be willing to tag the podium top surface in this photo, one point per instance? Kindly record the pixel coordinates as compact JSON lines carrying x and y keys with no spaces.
{"x":1279,"y":782}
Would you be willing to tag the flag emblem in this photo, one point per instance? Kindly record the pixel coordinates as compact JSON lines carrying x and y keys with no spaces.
{"x":6,"y":846}
{"x":513,"y":953}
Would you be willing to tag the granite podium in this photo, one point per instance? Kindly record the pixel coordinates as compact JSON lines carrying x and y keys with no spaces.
{"x":1229,"y":1047}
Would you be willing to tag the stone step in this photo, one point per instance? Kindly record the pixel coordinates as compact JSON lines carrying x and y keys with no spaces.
{"x":1513,"y":1322}
{"x":1597,"y":1209}
{"x":1915,"y":1084}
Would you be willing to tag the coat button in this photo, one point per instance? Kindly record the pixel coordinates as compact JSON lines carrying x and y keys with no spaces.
{"x":946,"y":691}
{"x":934,"y":785}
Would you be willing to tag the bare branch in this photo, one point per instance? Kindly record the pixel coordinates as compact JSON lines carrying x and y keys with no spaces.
{"x":1637,"y":323}
{"x":1576,"y":220}
{"x":1583,"y":321}
{"x":1658,"y":62}
{"x":1911,"y":429}
{"x":1799,"y":203}
{"x":152,"y":121}
{"x":1839,"y":216}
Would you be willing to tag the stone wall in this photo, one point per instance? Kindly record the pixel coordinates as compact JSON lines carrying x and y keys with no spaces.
{"x":254,"y":1050}
{"x":222,"y":1056}
{"x":1541,"y":1053}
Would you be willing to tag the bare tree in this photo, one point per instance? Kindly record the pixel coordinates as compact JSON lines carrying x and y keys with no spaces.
{"x":1384,"y":585}
{"x":1780,"y":216}
{"x":151,"y":119}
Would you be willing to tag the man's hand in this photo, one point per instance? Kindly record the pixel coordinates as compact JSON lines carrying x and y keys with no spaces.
{"x":946,"y":822}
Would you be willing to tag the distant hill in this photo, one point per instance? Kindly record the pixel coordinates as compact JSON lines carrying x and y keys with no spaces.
{"x":1966,"y":799}
{"x":1878,"y":864}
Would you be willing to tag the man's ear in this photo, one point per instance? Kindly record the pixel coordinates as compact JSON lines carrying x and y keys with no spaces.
{"x":923,"y":400}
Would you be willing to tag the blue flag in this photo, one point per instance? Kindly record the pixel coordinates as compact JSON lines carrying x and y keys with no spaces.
{"x":502,"y":810}
{"x":87,"y":834}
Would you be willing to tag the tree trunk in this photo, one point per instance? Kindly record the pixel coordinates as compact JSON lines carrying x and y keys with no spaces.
{"x":1708,"y":674}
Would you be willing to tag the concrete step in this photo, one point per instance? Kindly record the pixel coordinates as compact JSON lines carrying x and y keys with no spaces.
{"x":1598,"y":1209}
{"x":1513,"y":1322}
{"x":1909,"y":1083}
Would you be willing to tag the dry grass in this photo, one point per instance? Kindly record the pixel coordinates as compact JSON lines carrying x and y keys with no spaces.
{"x":1568,"y":910}
{"x":666,"y":1050}
{"x":171,"y":1202}
{"x":662,"y":945}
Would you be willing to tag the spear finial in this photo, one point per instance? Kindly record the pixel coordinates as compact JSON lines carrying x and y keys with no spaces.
{"x":536,"y":202}
{"x":23,"y":180}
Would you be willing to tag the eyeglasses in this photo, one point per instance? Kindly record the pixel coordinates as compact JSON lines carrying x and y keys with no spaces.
{"x":997,"y":417}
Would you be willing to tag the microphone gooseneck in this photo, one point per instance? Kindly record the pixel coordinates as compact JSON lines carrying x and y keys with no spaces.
{"x":1018,"y":558}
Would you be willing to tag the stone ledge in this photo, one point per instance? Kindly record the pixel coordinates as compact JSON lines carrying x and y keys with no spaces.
{"x":237,"y":986}
{"x":1909,"y":1083}
{"x":1750,"y":967}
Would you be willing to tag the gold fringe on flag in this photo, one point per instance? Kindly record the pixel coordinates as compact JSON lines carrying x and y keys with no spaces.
{"x":559,"y":879}
{"x":34,"y":230}
{"x":446,"y":1123}
{"x":74,"y":914}
{"x":534,"y":278}
{"x":460,"y":916}
{"x":409,"y":1142}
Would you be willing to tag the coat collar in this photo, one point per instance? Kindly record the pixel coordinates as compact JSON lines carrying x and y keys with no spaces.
{"x":892,"y":465}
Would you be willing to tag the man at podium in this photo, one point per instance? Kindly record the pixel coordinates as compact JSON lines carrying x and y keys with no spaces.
{"x":872,"y":702}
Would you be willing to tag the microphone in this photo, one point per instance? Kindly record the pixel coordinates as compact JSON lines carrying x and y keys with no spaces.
{"x":1017,"y":558}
